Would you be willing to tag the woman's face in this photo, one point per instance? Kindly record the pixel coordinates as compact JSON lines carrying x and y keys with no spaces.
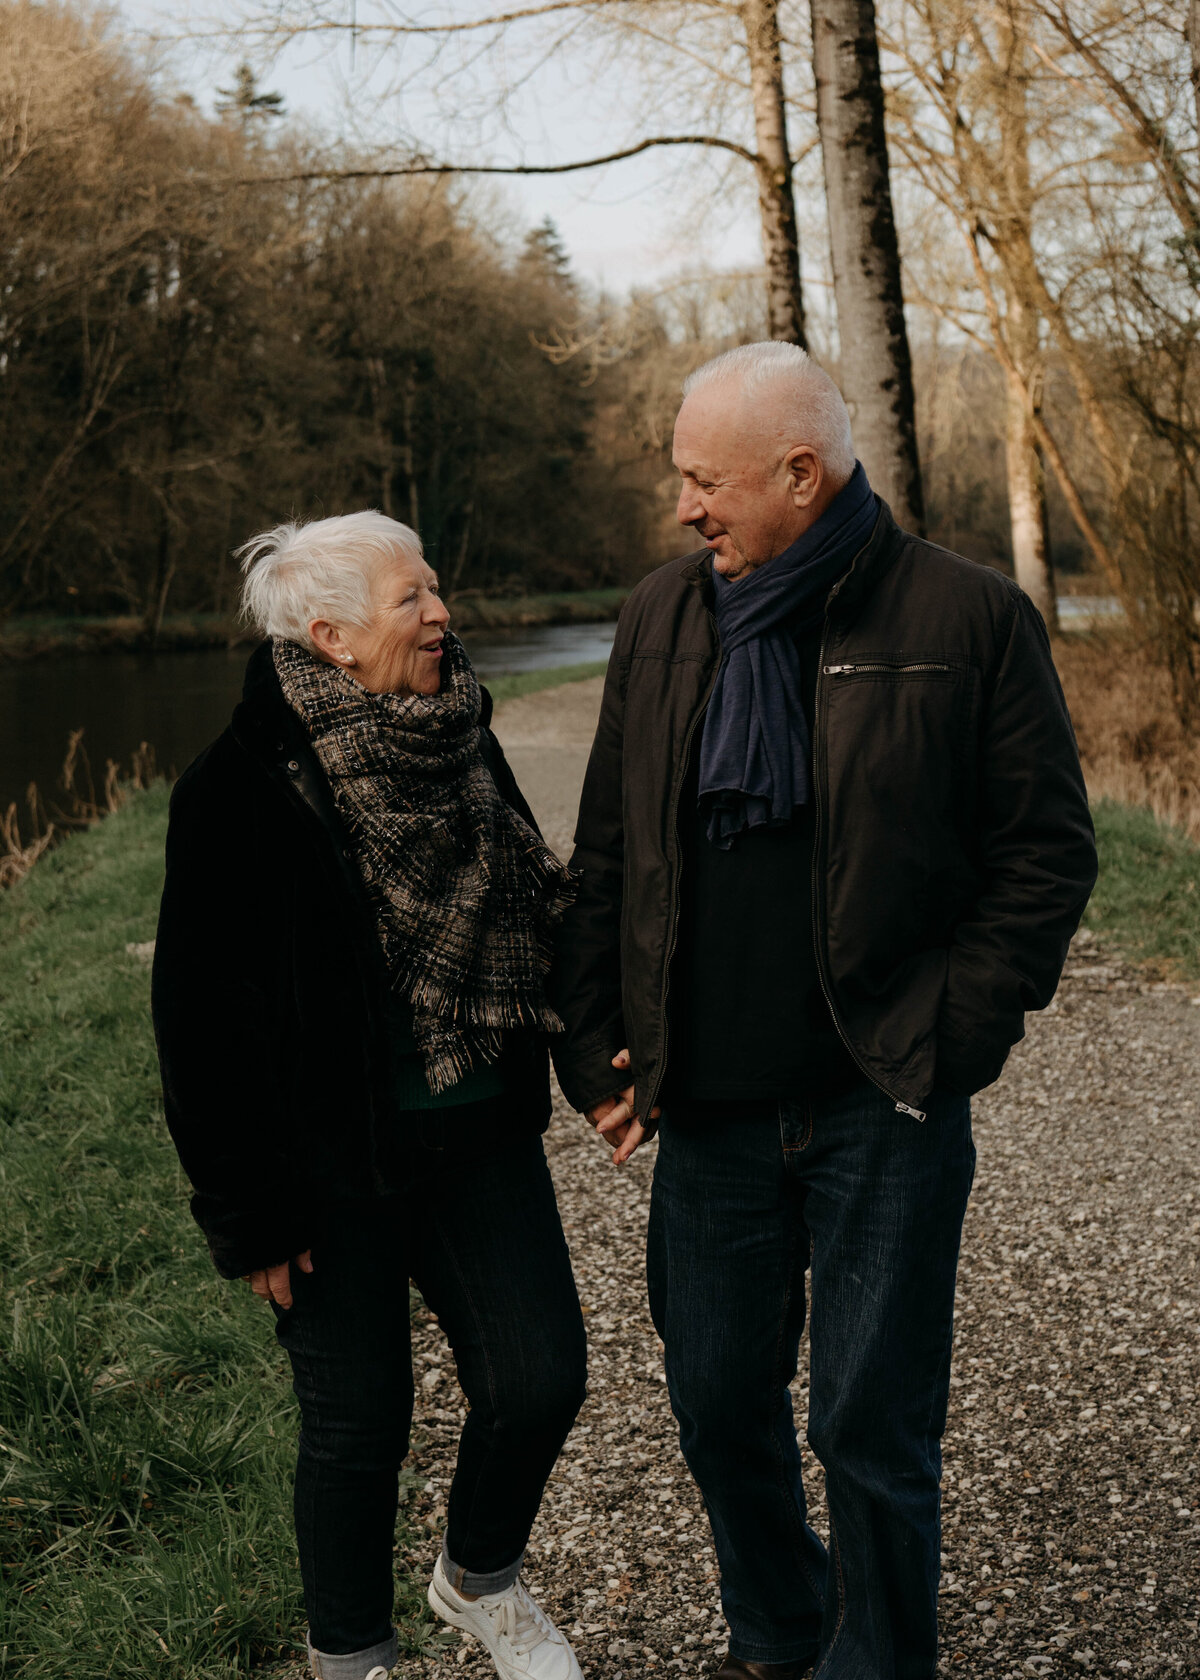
{"x":400,"y":650}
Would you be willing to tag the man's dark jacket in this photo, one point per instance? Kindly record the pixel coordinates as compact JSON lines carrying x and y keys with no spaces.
{"x":269,"y":989}
{"x":954,"y":850}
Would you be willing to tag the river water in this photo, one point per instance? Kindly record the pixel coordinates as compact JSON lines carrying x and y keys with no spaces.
{"x":179,"y":702}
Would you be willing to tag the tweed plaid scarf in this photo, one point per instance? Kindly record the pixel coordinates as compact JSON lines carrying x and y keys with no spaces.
{"x":465,"y":895}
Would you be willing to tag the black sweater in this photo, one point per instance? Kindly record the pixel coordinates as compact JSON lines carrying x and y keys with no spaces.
{"x":749,"y":1020}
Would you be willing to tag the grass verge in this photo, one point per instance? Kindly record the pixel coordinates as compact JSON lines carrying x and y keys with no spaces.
{"x":516,"y":683}
{"x":146,"y":1423}
{"x":147,"y":1427}
{"x":1147,"y":899}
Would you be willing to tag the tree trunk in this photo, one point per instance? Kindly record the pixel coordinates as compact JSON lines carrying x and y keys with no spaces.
{"x":776,"y":202}
{"x":876,"y":365}
{"x":407,"y":461}
{"x":1026,"y":473}
{"x":1022,"y":322}
{"x":1193,"y":35}
{"x":377,"y":380}
{"x":164,"y":570}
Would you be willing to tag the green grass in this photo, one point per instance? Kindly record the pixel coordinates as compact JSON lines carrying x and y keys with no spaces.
{"x":146,"y":1423}
{"x":147,"y":1426}
{"x":515,"y":683}
{"x":1147,"y":900}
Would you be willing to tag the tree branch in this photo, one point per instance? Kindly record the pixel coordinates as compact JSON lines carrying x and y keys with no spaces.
{"x":496,"y":20}
{"x":419,"y":168}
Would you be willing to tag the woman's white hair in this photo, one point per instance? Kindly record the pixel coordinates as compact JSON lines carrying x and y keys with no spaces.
{"x":812,"y":408}
{"x":325,"y":568}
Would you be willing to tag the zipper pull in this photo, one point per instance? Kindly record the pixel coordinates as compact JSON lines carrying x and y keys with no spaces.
{"x":838,"y":670}
{"x":903,"y":1108}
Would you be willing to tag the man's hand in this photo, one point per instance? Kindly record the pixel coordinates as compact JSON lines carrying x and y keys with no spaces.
{"x":274,"y":1283}
{"x":615,"y":1120}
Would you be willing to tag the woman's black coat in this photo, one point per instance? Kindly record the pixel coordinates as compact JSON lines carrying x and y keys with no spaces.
{"x":269,"y":988}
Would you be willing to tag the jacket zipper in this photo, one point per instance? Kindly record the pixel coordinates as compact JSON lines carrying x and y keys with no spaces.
{"x":818,"y":934}
{"x":673,"y":907}
{"x":881,"y":665}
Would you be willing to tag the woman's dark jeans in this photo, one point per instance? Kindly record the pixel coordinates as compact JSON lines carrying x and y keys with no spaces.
{"x":476,"y":1227}
{"x":872,"y":1202}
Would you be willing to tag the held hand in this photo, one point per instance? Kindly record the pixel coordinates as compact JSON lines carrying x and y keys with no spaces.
{"x":615,"y":1120}
{"x":274,"y":1282}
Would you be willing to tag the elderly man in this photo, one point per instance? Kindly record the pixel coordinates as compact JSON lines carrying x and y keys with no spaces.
{"x":833,"y":844}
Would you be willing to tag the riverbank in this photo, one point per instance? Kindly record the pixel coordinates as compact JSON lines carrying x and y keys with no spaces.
{"x":41,"y":636}
{"x":1135,"y":750}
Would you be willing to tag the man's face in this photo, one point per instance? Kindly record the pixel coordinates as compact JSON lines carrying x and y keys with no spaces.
{"x":737,"y":492}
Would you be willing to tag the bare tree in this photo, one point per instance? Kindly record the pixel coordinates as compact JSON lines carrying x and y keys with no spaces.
{"x":702,"y":34}
{"x":876,"y":366}
{"x":966,"y":130}
{"x":774,"y":164}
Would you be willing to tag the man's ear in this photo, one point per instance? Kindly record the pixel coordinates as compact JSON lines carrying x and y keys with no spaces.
{"x":805,"y":473}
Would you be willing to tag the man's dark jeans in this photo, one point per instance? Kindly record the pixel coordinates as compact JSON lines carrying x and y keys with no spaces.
{"x":477,"y":1228}
{"x":872,"y":1202}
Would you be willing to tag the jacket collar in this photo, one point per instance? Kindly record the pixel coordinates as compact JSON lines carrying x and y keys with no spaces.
{"x":267,"y":728}
{"x":264,"y":724}
{"x":847,"y":595}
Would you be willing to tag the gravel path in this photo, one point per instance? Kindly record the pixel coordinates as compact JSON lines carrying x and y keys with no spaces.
{"x":1072,"y":1510}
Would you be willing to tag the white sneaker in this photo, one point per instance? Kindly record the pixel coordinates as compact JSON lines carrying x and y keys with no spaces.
{"x":521,"y":1639}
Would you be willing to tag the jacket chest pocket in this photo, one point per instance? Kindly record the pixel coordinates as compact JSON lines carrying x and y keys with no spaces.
{"x":900,"y":730}
{"x":896,"y":669}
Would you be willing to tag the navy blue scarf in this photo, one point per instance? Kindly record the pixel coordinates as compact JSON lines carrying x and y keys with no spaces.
{"x":755,"y":750}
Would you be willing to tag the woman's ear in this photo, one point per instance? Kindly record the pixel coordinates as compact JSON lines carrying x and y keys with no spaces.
{"x":329,"y":643}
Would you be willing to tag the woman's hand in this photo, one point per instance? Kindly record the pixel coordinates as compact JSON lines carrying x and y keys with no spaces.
{"x":274,"y":1282}
{"x":615,"y":1120}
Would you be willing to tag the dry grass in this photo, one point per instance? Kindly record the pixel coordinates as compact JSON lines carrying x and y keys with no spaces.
{"x":1134,"y":750}
{"x":83,"y":803}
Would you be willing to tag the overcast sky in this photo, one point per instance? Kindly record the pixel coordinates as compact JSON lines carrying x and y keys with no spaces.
{"x":636,"y":222}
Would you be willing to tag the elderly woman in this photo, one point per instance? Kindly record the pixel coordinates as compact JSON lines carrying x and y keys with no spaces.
{"x":348,"y":997}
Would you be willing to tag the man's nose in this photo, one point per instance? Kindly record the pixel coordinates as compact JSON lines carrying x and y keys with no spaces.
{"x":688,"y":509}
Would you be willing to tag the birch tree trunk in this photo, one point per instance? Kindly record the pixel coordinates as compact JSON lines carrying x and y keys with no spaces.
{"x":1022,"y":324}
{"x":1194,"y":44}
{"x":1026,"y":473}
{"x":876,"y":365}
{"x":776,"y":203}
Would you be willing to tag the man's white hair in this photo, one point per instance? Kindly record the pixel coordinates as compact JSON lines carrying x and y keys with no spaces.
{"x":325,"y":568}
{"x":814,"y":410}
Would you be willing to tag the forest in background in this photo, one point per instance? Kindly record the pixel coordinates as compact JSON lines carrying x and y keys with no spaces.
{"x":189,"y":352}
